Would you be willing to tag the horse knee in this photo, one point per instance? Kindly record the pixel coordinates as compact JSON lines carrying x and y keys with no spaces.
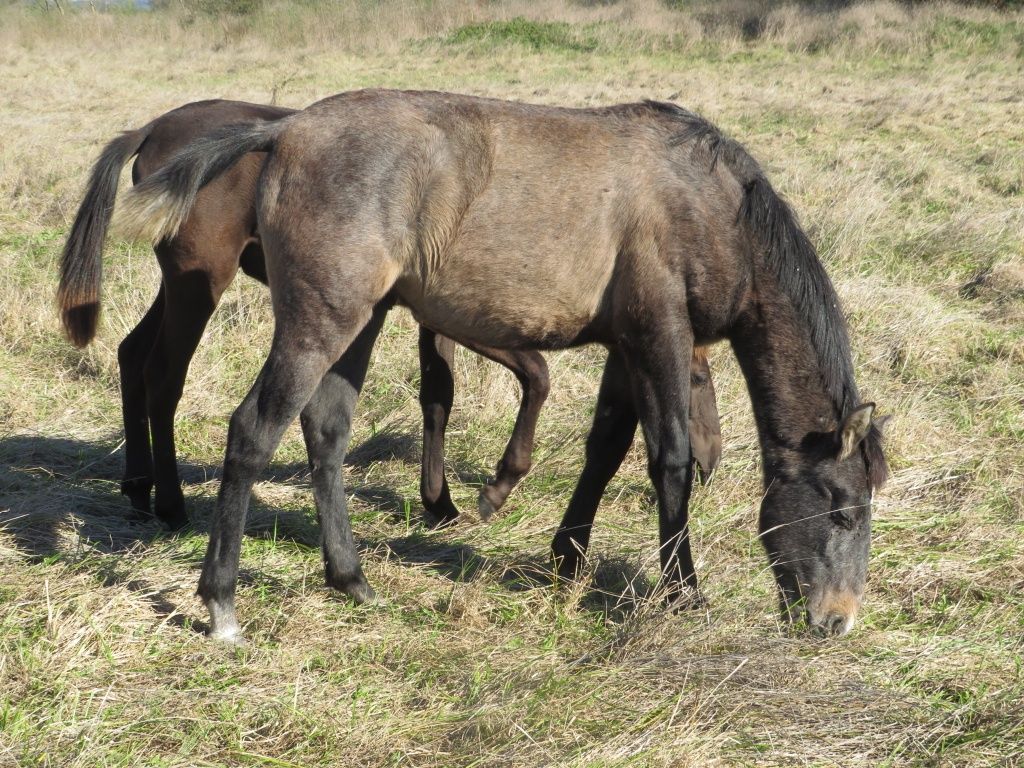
{"x":540,"y":384}
{"x":435,"y":416}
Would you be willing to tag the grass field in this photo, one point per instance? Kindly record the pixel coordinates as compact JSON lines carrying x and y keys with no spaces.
{"x":895,"y":131}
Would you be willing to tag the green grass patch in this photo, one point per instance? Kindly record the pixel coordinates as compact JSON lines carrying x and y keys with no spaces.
{"x":533,"y":35}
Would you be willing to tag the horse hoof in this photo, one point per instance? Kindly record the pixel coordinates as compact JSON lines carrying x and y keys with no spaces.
{"x":440,"y":514}
{"x":361,"y":592}
{"x":175,"y":520}
{"x":686,"y":599}
{"x":434,"y":521}
{"x":485,"y":507}
{"x":138,"y":494}
{"x":567,"y":568}
{"x":232,"y":637}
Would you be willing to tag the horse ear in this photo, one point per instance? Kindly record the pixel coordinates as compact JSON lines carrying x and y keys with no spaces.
{"x":855,"y":428}
{"x":881,"y":422}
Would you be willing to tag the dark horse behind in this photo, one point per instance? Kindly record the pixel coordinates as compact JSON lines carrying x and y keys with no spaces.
{"x":640,"y":227}
{"x":197,"y":264}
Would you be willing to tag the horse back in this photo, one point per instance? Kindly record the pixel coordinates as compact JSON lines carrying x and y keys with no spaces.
{"x":503,"y":223}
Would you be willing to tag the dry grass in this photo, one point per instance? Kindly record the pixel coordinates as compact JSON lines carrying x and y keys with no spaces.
{"x":895,"y":131}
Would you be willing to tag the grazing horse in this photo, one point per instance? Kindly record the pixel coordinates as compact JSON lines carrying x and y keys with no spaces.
{"x":639,"y":226}
{"x":199,"y":263}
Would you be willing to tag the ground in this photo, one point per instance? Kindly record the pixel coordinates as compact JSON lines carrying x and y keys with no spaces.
{"x":895,"y":132}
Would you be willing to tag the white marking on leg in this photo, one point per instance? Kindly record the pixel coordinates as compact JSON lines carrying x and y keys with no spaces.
{"x":224,"y":626}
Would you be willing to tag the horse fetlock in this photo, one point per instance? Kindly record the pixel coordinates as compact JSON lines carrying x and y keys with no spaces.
{"x":224,"y":625}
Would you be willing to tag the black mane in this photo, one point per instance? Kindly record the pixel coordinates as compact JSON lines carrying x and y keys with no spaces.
{"x":795,"y":263}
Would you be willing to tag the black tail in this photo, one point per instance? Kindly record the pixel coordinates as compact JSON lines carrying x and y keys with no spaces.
{"x":81,"y":265}
{"x":155,"y":209}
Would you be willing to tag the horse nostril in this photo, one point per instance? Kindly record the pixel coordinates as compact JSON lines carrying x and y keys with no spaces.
{"x":835,"y":624}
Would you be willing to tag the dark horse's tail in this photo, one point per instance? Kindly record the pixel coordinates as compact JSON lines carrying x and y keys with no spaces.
{"x":155,"y":209}
{"x":81,"y":266}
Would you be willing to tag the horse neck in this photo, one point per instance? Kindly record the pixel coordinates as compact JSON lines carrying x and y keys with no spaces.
{"x":783,"y":376}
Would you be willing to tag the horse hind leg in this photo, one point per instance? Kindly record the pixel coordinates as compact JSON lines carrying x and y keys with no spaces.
{"x":326,"y":426}
{"x":190,"y":300}
{"x":437,"y":389}
{"x":137,"y":483}
{"x":312,"y":331}
{"x":532,"y":371}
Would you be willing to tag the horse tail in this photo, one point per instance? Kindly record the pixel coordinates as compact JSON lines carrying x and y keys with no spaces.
{"x":81,"y":265}
{"x":154,"y":209}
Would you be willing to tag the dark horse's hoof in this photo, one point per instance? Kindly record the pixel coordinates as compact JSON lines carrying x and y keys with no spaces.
{"x":568,"y":566}
{"x":441,"y":511}
{"x":173,"y":516}
{"x":175,"y":520}
{"x":686,"y":598}
{"x":485,"y":507}
{"x":138,"y":492}
{"x":356,"y":587}
{"x":433,"y":520}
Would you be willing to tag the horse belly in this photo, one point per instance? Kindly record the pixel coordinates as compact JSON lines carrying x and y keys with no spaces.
{"x":504,"y":292}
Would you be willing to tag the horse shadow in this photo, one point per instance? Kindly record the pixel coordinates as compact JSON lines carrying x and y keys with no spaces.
{"x":60,"y":497}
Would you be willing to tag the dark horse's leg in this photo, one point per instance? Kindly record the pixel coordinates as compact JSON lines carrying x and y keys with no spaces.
{"x":307,"y":339}
{"x":532,"y":372}
{"x":610,"y":436}
{"x":190,"y":297}
{"x":657,"y":349}
{"x":436,"y":394}
{"x":131,"y":360}
{"x":437,"y":390}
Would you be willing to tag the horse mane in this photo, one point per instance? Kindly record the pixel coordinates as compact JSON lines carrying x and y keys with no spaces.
{"x":795,"y":263}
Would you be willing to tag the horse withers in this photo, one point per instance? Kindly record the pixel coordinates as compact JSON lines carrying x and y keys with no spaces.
{"x":638,"y":226}
{"x":197,"y":264}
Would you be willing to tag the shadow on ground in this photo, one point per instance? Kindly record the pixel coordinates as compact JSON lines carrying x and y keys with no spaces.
{"x":61,"y":497}
{"x":59,"y":494}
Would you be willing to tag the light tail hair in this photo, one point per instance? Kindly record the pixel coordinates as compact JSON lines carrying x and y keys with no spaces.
{"x":155,"y":209}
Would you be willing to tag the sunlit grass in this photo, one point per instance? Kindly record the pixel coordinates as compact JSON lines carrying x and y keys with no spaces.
{"x":895,"y":132}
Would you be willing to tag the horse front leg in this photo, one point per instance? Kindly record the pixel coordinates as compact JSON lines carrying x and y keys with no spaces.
{"x":609,"y":440}
{"x":657,"y":347}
